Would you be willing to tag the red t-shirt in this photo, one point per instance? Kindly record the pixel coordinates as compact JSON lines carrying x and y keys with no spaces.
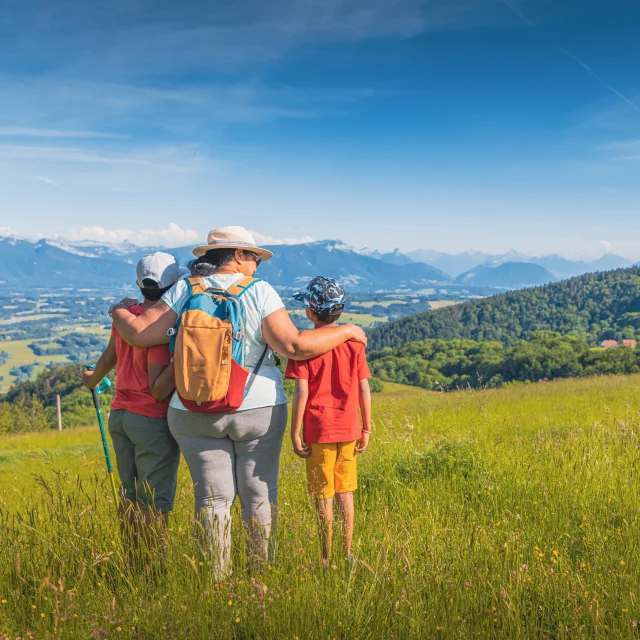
{"x":331,"y":414}
{"x":132,"y":379}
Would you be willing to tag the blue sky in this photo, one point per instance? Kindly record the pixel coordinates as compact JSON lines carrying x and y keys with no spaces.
{"x":450,"y":125}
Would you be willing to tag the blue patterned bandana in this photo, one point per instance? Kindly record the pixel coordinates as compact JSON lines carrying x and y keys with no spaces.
{"x":323,"y":296}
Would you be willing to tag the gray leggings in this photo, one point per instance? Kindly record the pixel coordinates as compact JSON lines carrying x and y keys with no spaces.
{"x":228,"y":455}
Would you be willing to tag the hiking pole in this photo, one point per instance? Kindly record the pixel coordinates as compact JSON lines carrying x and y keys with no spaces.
{"x":95,"y":394}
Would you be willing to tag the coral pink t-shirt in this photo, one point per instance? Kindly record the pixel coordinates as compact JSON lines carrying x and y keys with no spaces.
{"x":331,"y":414}
{"x":132,"y":379}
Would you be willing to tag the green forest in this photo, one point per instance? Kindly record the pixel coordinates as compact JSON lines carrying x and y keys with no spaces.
{"x":593,"y":307}
{"x":31,"y":405}
{"x":455,"y":364}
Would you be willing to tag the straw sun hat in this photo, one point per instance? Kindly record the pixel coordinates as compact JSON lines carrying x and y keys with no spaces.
{"x":232,"y":238}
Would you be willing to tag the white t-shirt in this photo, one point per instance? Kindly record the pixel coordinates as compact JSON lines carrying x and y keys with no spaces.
{"x":260,"y":301}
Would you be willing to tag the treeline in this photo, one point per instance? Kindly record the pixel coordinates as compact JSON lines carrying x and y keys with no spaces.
{"x":458,"y":364}
{"x":4,"y":356}
{"x":78,"y":347}
{"x":592,"y":307}
{"x":31,"y":405}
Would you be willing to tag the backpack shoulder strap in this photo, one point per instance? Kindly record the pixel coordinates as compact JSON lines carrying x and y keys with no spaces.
{"x":196,"y":286}
{"x":240,"y":288}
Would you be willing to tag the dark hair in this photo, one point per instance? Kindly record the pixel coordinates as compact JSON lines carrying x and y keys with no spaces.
{"x":210,"y":262}
{"x":151,"y":290}
{"x":325,"y":317}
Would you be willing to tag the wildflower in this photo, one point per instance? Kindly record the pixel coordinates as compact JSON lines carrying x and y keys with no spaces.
{"x":339,"y":624}
{"x":555,"y":553}
{"x":237,"y":619}
{"x":229,"y":603}
{"x":625,"y":610}
{"x":622,"y":563}
{"x":118,"y":629}
{"x":4,"y":602}
{"x":503,"y":593}
{"x":467,"y":584}
{"x":42,"y":615}
{"x":634,"y":624}
{"x":33,"y":606}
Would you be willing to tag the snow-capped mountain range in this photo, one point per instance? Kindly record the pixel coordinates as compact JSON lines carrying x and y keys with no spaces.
{"x":56,"y":263}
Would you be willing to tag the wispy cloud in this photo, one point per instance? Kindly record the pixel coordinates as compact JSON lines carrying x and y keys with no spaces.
{"x":172,"y":236}
{"x":177,"y":159}
{"x":26,"y":132}
{"x":607,"y":85}
{"x":50,"y":181}
{"x":262,"y":239}
{"x":600,"y":80}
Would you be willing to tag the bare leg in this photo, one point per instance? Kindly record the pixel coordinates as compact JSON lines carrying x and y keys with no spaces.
{"x":345,"y":505}
{"x":324,"y":510}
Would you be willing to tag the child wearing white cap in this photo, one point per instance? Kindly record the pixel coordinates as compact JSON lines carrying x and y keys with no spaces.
{"x":147,"y":456}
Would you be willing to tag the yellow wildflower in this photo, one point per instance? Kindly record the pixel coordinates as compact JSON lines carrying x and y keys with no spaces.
{"x":229,"y":603}
{"x":237,"y":619}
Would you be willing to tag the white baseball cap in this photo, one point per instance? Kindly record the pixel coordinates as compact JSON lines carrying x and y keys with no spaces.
{"x":160,"y":267}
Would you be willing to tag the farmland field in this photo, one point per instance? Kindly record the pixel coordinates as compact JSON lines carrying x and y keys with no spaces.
{"x":441,"y":304}
{"x":508,"y":513}
{"x":361,"y":319}
{"x":20,"y":354}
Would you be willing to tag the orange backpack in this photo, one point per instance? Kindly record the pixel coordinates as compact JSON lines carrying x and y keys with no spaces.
{"x":208,"y":345}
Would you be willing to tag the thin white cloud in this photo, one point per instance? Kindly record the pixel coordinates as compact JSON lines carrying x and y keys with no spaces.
{"x":262,"y":239}
{"x":50,"y":181}
{"x":27,"y":132}
{"x":605,"y":245}
{"x":600,"y":80}
{"x":616,"y":92}
{"x":175,"y":159}
{"x":172,"y":236}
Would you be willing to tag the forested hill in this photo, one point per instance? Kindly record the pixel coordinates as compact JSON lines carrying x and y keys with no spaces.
{"x":595,"y":306}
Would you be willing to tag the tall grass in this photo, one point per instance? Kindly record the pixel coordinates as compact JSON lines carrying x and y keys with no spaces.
{"x":509,"y":513}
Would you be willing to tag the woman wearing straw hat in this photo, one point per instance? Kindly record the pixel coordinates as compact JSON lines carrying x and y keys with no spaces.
{"x":235,"y":453}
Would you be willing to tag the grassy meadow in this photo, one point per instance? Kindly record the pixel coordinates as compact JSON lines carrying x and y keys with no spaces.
{"x":510,"y":513}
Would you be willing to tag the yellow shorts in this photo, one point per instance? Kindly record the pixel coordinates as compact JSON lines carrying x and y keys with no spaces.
{"x":331,"y":469}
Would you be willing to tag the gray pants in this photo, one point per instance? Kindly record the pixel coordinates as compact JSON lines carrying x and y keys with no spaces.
{"x":147,"y":458}
{"x":228,"y":455}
